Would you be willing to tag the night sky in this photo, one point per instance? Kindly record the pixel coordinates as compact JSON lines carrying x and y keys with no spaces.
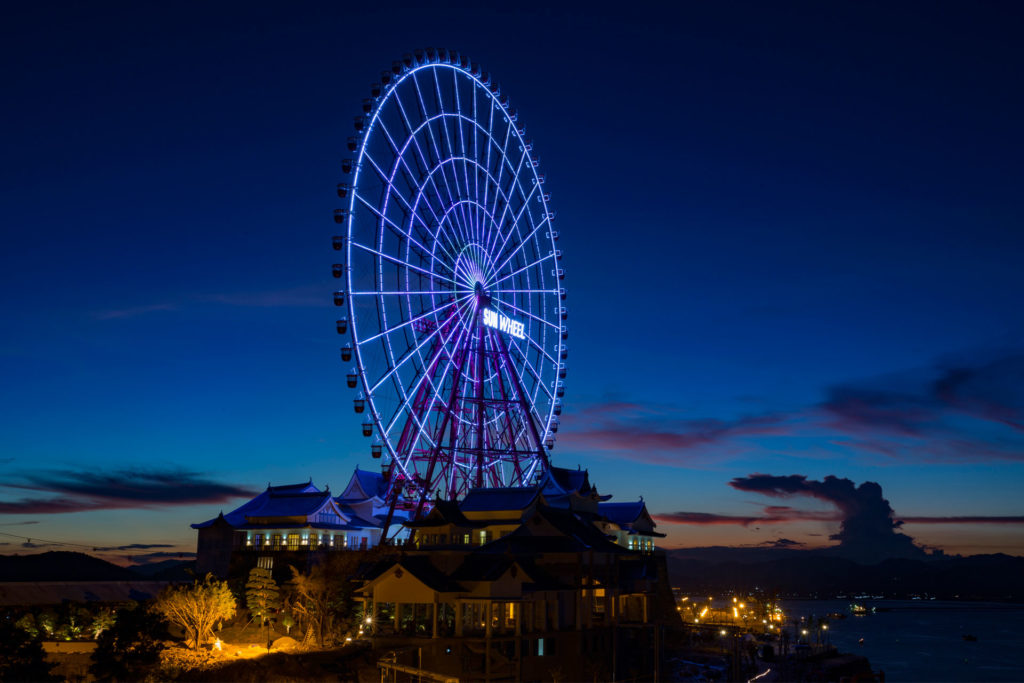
{"x":792,"y":233}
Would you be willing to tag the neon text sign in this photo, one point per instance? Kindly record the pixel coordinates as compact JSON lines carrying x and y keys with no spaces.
{"x":503,"y":323}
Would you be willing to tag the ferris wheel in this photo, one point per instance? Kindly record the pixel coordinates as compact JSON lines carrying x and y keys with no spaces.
{"x":453,"y":292}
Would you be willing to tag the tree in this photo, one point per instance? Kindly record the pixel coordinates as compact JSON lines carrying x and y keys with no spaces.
{"x":130,"y":648}
{"x":21,"y":656}
{"x":47,"y":621}
{"x":261,"y":594}
{"x":103,"y":620}
{"x":28,"y":624}
{"x":197,"y":608}
{"x":322,"y":596}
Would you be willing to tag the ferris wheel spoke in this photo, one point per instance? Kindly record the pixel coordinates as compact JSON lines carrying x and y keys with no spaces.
{"x":409,"y":354}
{"x":414,"y":174}
{"x":416,"y":387}
{"x":435,"y":395}
{"x":541,"y":349}
{"x":514,"y":224}
{"x":516,"y":272}
{"x":462,"y":145}
{"x":405,"y":405}
{"x":451,"y":151}
{"x":413,"y":131}
{"x":528,"y":314}
{"x":467,"y":223}
{"x":528,"y":291}
{"x":421,"y":249}
{"x":533,"y":371}
{"x":502,"y":163}
{"x":405,"y":323}
{"x":476,"y":155}
{"x":400,"y":262}
{"x":390,"y":191}
{"x":513,"y":183}
{"x":437,"y":150}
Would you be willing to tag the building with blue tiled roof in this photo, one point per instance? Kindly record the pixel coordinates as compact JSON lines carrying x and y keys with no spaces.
{"x":291,"y":525}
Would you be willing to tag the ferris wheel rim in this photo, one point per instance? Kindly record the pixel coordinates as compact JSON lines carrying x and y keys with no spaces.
{"x":460,"y":297}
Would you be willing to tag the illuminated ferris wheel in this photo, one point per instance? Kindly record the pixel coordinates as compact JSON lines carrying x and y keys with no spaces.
{"x":452,"y":284}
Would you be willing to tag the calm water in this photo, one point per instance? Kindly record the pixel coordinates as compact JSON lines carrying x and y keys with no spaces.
{"x":922,"y":640}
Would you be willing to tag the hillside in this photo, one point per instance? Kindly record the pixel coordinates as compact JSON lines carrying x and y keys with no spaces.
{"x":62,"y":566}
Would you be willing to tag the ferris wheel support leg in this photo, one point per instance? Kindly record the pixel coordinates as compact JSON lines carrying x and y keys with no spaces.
{"x":436,"y":451}
{"x":510,"y":432}
{"x":523,"y":404}
{"x":479,"y":400}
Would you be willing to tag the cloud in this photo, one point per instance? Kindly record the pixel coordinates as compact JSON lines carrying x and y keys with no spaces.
{"x":783,"y":543}
{"x":704,"y":518}
{"x":133,"y":311}
{"x":969,"y":519}
{"x":773,"y":514}
{"x":655,"y":433}
{"x":77,"y":491}
{"x":154,"y":557}
{"x":961,"y":409}
{"x":867,"y":528}
{"x":968,"y":408}
{"x":135,"y":546}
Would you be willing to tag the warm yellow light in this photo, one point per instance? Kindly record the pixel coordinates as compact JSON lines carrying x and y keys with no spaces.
{"x":743,"y":605}
{"x":824,"y":627}
{"x":704,"y":611}
{"x":735,"y":613}
{"x":803,"y":631}
{"x":734,"y":599}
{"x":722,"y":631}
{"x":369,"y":620}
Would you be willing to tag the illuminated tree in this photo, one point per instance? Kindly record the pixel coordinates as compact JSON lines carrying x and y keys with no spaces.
{"x":103,"y":620}
{"x":197,"y":608}
{"x":262,"y":595}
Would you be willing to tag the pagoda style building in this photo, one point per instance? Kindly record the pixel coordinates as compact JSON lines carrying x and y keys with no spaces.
{"x":292,"y":525}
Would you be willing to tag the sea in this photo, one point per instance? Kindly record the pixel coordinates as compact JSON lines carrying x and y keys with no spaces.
{"x":923,"y":640}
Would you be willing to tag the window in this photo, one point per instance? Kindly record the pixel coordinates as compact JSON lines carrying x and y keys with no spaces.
{"x":257,"y":540}
{"x":314,"y":540}
{"x":485,"y":536}
{"x":339,"y":541}
{"x":294,"y":541}
{"x":275,"y":541}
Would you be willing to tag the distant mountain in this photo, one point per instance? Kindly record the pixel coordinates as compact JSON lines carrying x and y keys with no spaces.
{"x":817,"y":573}
{"x":167,"y":570}
{"x":62,"y":566}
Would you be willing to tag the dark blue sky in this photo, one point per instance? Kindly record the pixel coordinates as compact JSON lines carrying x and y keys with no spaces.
{"x":792,"y":235}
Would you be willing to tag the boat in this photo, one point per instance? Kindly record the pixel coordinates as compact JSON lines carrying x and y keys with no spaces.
{"x":859,"y":609}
